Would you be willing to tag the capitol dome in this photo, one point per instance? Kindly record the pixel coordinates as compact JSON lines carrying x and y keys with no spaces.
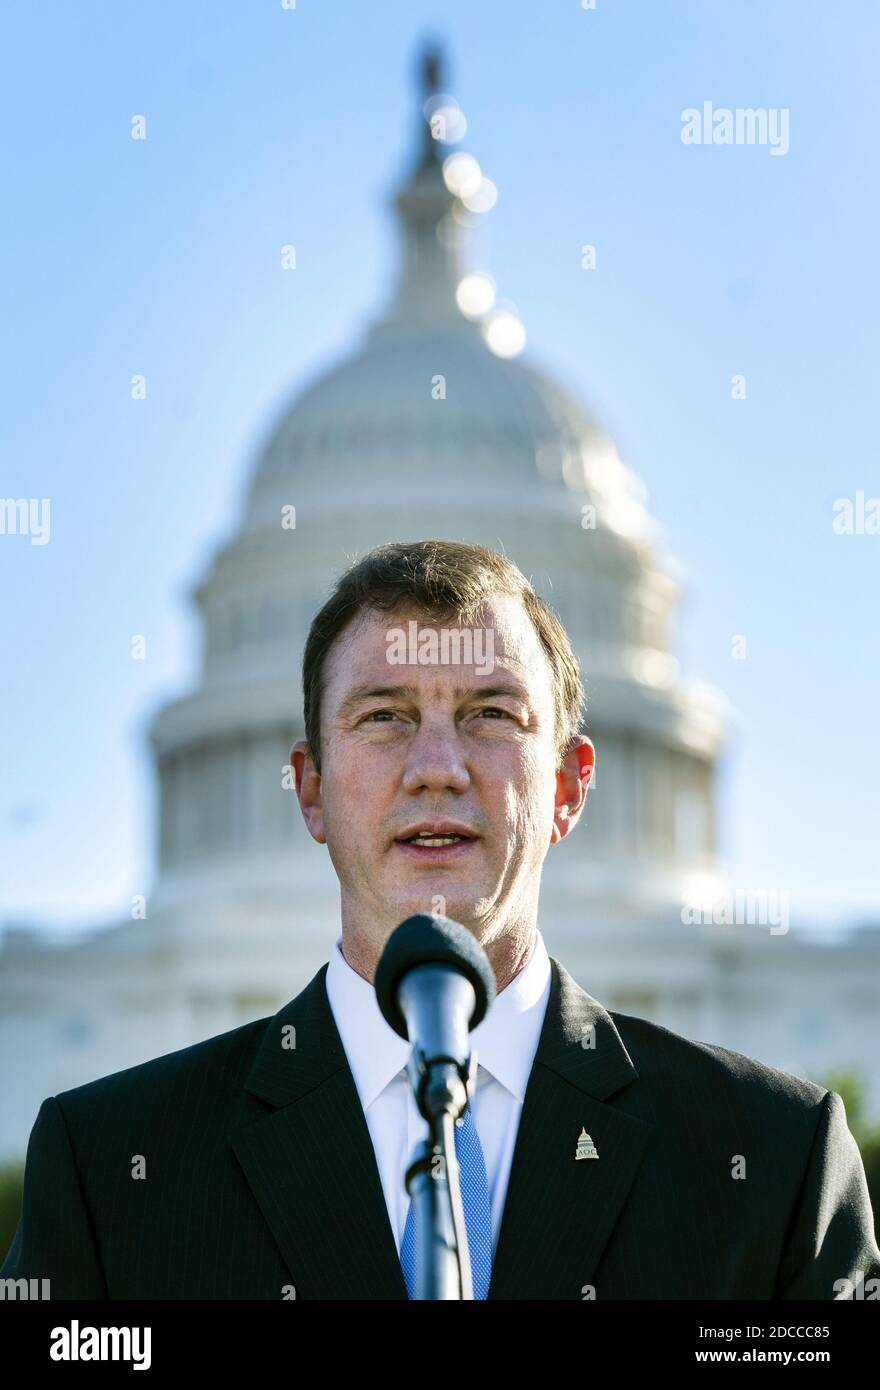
{"x":501,"y":431}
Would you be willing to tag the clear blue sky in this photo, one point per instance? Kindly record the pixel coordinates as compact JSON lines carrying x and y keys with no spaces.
{"x":268,"y":126}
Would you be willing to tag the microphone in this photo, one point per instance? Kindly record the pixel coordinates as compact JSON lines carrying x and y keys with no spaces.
{"x":434,"y":983}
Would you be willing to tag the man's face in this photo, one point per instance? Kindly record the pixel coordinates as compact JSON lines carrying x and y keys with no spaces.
{"x":457,"y":749}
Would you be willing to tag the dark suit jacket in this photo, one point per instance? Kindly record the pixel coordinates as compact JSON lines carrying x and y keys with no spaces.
{"x":260,"y":1173}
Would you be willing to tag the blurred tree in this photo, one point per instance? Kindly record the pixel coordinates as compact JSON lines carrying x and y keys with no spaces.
{"x":11,"y":1185}
{"x":851,"y":1089}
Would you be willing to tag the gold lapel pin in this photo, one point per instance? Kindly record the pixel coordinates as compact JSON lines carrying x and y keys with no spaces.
{"x":585,"y":1147}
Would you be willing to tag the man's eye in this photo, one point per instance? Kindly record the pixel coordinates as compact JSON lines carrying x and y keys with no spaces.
{"x":377,"y":713}
{"x":495,"y":709}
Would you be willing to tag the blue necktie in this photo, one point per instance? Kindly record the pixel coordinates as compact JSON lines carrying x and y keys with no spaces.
{"x":477,"y":1212}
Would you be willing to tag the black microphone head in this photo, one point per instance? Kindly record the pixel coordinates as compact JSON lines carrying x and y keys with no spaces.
{"x":429,"y":939}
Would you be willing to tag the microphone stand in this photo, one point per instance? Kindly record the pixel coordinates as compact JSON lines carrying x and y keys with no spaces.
{"x":433,"y":1179}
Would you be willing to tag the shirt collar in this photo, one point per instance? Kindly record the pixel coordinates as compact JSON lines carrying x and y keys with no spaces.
{"x":505,"y":1042}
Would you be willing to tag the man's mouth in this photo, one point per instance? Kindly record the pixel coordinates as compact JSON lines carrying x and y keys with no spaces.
{"x":431,"y":842}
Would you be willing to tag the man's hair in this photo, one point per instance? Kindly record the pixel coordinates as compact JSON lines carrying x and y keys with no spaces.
{"x":447,"y":582}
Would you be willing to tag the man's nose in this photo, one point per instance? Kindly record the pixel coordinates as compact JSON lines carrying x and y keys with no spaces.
{"x":435,"y":758}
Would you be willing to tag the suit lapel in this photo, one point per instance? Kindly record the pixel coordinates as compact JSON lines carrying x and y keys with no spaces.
{"x":559,"y":1212}
{"x":311,"y":1163}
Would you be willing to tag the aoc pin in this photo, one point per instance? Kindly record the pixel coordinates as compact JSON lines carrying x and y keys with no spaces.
{"x":585,"y":1147}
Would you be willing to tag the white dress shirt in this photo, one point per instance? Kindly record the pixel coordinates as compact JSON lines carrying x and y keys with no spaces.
{"x":505,"y":1044}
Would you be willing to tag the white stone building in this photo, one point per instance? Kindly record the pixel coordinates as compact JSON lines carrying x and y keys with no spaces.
{"x":244,"y":907}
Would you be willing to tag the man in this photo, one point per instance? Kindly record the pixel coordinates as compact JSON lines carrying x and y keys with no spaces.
{"x":602,"y":1156}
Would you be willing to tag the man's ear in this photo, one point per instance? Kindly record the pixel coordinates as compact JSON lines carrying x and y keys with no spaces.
{"x":308,"y":789}
{"x":573,"y":781}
